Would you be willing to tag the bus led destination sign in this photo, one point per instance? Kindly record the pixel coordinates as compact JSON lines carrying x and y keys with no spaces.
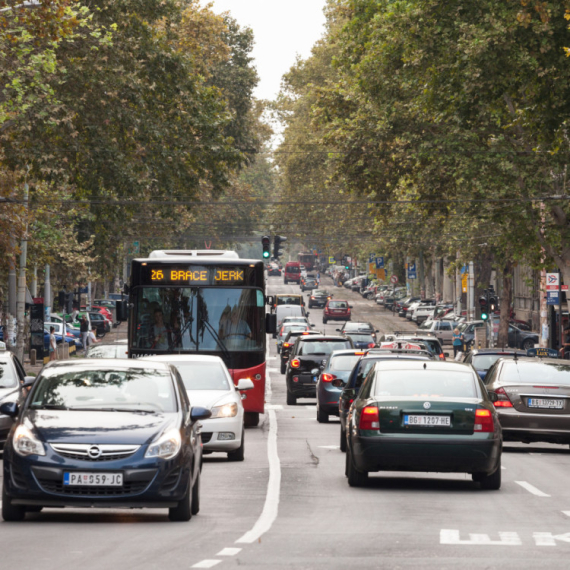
{"x":197,"y":275}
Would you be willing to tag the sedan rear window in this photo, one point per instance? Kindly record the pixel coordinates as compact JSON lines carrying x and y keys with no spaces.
{"x":542,"y":373}
{"x":322,"y":347}
{"x":344,"y":362}
{"x":338,"y":305}
{"x":362,"y":338}
{"x":424,"y":384}
{"x":203,"y":375}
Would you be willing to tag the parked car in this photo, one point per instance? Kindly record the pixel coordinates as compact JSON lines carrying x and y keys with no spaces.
{"x":305,"y":360}
{"x":334,"y":374}
{"x":115,"y":436}
{"x":71,"y":335}
{"x":336,"y":310}
{"x":423,"y":416}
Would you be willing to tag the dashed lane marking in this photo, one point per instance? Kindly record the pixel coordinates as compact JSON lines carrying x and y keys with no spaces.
{"x":329,"y":446}
{"x":450,"y":536}
{"x":273,"y":407}
{"x":531,"y":489}
{"x":206,"y":564}
{"x":567,"y":513}
{"x":229,"y":552}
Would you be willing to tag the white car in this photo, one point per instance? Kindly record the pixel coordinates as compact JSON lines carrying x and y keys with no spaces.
{"x":209,"y":385}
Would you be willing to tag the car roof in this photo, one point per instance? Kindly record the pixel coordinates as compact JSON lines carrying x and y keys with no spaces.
{"x":122,"y":363}
{"x":447,"y":366}
{"x":183,"y":358}
{"x":345,"y":351}
{"x":537,"y":359}
{"x":387,"y":355}
{"x":328,"y":337}
{"x":503,"y":351}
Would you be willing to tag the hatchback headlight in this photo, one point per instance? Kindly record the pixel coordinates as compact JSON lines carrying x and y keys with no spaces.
{"x":26,"y":443}
{"x":225,"y":411}
{"x":166,"y":446}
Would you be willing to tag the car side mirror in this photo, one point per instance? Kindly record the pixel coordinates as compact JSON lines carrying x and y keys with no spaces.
{"x":28,"y":381}
{"x":9,"y":409}
{"x":338,"y":330}
{"x":196,"y":413}
{"x":312,"y":326}
{"x":245,"y":384}
{"x":492,"y":396}
{"x":376,"y":330}
{"x":350,"y":306}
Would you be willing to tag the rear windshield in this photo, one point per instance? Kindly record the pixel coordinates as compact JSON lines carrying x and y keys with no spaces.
{"x":293,"y":269}
{"x":293,"y":300}
{"x":543,"y":373}
{"x":356,"y":327}
{"x":8,"y":377}
{"x":320,"y":292}
{"x":322,"y":346}
{"x":483,"y":362}
{"x":361,"y":337}
{"x":425,"y":384}
{"x":344,"y":362}
{"x":338,"y":305}
{"x":203,"y":375}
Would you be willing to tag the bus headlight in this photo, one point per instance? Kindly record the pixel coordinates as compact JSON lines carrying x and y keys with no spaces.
{"x":225,"y":411}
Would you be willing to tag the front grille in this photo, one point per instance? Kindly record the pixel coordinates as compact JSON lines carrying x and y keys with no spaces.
{"x":206,"y":437}
{"x":128,"y":488}
{"x":88,"y":452}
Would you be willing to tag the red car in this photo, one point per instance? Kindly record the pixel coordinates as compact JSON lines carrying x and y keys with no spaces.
{"x":103,"y":310}
{"x":336,"y":311}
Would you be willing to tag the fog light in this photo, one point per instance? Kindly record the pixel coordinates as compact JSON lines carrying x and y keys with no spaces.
{"x":295,"y":379}
{"x":226,"y":435}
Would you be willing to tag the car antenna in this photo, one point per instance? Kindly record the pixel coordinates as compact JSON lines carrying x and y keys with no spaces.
{"x":516,"y":357}
{"x":425,"y":365}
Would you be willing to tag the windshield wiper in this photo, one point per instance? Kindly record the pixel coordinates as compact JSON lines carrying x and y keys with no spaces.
{"x":130,"y":410}
{"x":49,"y":407}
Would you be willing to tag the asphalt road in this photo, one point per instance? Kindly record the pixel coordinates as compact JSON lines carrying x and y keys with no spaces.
{"x":288,"y":505}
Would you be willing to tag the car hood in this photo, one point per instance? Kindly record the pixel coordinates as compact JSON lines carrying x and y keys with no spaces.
{"x":97,"y":427}
{"x":4,"y":392}
{"x":209,"y":398}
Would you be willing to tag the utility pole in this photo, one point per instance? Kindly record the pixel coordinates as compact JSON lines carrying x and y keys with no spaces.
{"x":458,"y":288}
{"x":34,"y":284}
{"x":471,"y":292}
{"x":47,"y":294}
{"x":21,"y":304}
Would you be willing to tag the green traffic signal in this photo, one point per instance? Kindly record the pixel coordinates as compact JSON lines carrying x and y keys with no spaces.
{"x":265,"y":254}
{"x":484,"y":316}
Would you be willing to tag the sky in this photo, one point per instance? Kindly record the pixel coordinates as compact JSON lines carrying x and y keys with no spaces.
{"x":283,"y":29}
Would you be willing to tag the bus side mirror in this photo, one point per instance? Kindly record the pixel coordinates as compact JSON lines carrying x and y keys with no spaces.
{"x":270,"y":323}
{"x":270,"y":300}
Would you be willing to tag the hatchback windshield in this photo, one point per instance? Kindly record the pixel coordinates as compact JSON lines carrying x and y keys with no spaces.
{"x":543,"y":373}
{"x":322,"y":347}
{"x":101,"y":388}
{"x":344,"y":362}
{"x":292,"y":300}
{"x":203,"y":375}
{"x":424,"y":384}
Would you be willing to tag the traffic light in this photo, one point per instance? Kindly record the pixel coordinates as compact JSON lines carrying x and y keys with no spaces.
{"x":265,"y":243}
{"x":61,"y":300}
{"x":69,"y":303}
{"x":484,"y":304}
{"x":277,"y":241}
{"x":492,"y":302}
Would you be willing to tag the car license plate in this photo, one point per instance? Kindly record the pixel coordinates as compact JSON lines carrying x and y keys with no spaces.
{"x":427,"y":421}
{"x":93,"y":479}
{"x":545,"y":403}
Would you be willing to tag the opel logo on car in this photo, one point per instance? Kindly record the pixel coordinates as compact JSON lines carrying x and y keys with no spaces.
{"x":94,"y":452}
{"x":427,"y":405}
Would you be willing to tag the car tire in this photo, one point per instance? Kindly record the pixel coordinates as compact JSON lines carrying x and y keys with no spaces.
{"x":528,"y":343}
{"x":291,"y":400}
{"x":239,"y":453}
{"x":489,"y":482}
{"x":322,"y":416}
{"x":283,"y":368}
{"x":251,"y":419}
{"x":355,"y":478}
{"x":10,"y":512}
{"x":342,"y":440}
{"x":183,"y":511}
{"x":285,"y":281}
{"x":278,"y":350}
{"x":196,"y":494}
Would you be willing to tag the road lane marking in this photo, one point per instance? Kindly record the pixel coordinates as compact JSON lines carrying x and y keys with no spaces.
{"x":503,"y":468}
{"x":273,"y":407}
{"x":451,"y":536}
{"x":549,"y":539}
{"x":531,"y":489}
{"x":329,"y":446}
{"x":271,"y":506}
{"x":229,"y":552}
{"x":567,"y":513}
{"x":206,"y":564}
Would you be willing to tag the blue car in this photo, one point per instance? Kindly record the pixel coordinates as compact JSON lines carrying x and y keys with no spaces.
{"x":333,"y":377}
{"x":104,"y":433}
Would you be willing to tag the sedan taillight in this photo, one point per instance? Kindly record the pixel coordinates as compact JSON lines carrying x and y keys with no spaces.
{"x":483,"y":421}
{"x":369,"y":419}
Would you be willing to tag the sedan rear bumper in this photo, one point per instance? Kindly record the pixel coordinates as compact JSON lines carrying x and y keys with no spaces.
{"x":523,"y":426}
{"x":460,"y":455}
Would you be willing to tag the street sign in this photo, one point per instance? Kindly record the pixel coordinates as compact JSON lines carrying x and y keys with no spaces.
{"x":464,"y":269}
{"x":394,"y":279}
{"x":545,"y":352}
{"x":552,"y":281}
{"x":379,"y":263}
{"x":412,"y":274}
{"x":464,"y":282}
{"x":331,"y":259}
{"x":552,"y":297}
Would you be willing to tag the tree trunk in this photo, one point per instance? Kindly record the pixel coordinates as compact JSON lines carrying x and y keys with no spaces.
{"x":506,"y":301}
{"x":483,"y":271}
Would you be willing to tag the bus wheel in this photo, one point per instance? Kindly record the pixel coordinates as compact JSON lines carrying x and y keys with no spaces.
{"x":251,"y":419}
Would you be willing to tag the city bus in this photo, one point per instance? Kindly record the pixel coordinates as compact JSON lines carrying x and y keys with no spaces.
{"x":307,"y":259}
{"x":203,"y":302}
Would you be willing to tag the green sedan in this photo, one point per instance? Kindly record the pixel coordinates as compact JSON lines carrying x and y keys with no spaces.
{"x":424,"y":416}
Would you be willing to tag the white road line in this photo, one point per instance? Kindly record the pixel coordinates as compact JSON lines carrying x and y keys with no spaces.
{"x":229,"y":552}
{"x":206,"y":564}
{"x":273,"y":407}
{"x":503,"y":468}
{"x":567,"y":513}
{"x":329,"y":446}
{"x":531,"y":489}
{"x":271,"y":506}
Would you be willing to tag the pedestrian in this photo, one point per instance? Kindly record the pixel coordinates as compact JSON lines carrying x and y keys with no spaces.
{"x":457,"y":342}
{"x":52,"y":344}
{"x":93,"y":336}
{"x":84,"y":330}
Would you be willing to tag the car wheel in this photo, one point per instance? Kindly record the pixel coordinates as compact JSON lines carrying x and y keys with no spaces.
{"x":322,"y":417}
{"x":183,"y":511}
{"x":251,"y":419}
{"x":285,"y":281}
{"x":196,"y":494}
{"x":291,"y":400}
{"x":355,"y":478}
{"x":10,"y":512}
{"x":489,"y":482}
{"x":342,"y":440}
{"x":278,"y":350}
{"x":528,"y":343}
{"x":283,"y":368}
{"x":238,"y":454}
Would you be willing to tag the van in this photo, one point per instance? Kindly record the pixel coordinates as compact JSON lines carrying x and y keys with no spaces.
{"x":283,"y":311}
{"x":292,"y":272}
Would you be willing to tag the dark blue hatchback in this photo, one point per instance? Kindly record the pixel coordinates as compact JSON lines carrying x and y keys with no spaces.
{"x":104,"y":433}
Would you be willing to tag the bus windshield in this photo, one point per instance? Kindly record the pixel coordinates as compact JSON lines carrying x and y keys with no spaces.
{"x":200,"y":319}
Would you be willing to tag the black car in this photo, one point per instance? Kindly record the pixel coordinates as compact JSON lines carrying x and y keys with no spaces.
{"x":104,"y":433}
{"x":319,"y":298}
{"x":100,"y":323}
{"x":308,"y":355}
{"x":402,"y":307}
{"x":289,"y":342}
{"x":482,"y":359}
{"x":309,"y":284}
{"x":356,"y":378}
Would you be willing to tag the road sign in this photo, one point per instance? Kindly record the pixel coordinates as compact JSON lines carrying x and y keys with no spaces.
{"x":464,"y":282}
{"x":412,"y":274}
{"x":331,"y":260}
{"x":552,"y":297}
{"x":394,"y":279}
{"x":379,"y":263}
